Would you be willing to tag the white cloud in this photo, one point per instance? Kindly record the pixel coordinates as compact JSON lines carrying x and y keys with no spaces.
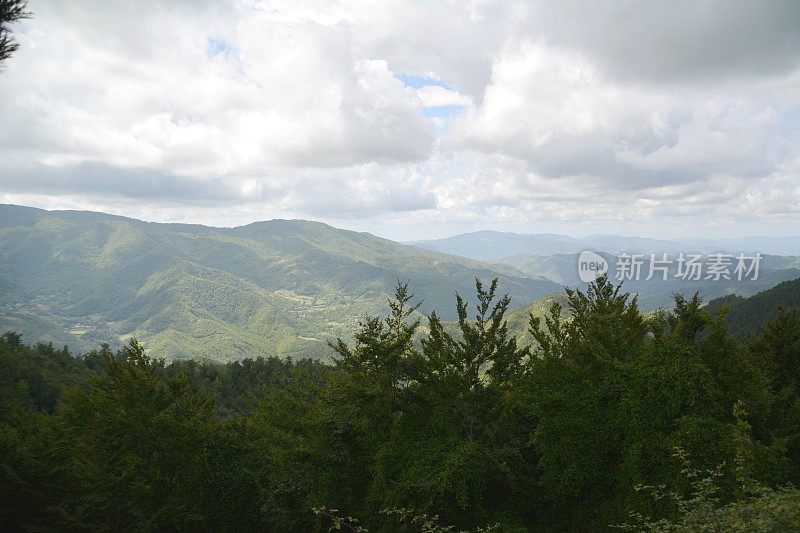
{"x":554,"y":109}
{"x":572,"y":113}
{"x":435,"y":96}
{"x":284,"y":92}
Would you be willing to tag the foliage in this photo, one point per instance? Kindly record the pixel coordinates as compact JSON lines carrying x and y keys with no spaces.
{"x":420,"y":425}
{"x":747,"y":316}
{"x":758,"y":507}
{"x":10,"y":11}
{"x":406,"y":521}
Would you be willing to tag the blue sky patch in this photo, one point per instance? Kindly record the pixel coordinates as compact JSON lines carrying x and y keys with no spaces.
{"x":443,"y":111}
{"x":216,"y":46}
{"x":418,"y":81}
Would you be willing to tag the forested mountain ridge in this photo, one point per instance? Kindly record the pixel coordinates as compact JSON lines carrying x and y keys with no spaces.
{"x":282,"y":287}
{"x":747,"y":316}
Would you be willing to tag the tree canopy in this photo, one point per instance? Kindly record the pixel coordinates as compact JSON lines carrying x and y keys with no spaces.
{"x":660,"y":422}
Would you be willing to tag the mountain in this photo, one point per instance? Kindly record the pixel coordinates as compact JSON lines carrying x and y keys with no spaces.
{"x":656,"y":292}
{"x":495,"y":245}
{"x":282,"y":287}
{"x":746,"y":316}
{"x":555,"y":257}
{"x":499,"y":246}
{"x":766,"y":245}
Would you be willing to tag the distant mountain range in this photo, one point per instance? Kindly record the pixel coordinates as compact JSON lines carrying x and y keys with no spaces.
{"x":555,"y":257}
{"x":656,"y":292}
{"x":496,"y":245}
{"x":282,"y":287}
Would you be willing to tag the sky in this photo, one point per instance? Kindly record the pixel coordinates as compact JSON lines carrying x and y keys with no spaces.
{"x":411,"y":120}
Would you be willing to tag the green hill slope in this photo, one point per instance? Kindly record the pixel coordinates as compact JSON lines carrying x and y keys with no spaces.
{"x":281,"y":287}
{"x":746,"y":316}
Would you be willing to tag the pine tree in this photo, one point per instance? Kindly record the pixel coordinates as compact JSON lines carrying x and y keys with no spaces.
{"x":10,"y":11}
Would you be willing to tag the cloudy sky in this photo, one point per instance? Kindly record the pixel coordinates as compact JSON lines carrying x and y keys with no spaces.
{"x":411,"y":119}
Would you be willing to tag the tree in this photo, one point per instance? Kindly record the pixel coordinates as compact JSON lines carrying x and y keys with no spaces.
{"x":777,"y":353}
{"x":473,"y":463}
{"x":756,"y":506}
{"x":383,"y":356}
{"x":605,"y":324}
{"x":146,"y":453}
{"x":485,"y":358}
{"x":10,"y":11}
{"x":612,"y":392}
{"x":778,"y":350}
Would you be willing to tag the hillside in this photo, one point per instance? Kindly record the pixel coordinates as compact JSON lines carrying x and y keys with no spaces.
{"x":282,"y":287}
{"x":746,"y":316}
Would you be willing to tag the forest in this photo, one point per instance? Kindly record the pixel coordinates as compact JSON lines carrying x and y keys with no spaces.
{"x":611,"y":419}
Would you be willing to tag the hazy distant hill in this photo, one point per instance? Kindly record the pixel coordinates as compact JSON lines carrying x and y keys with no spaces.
{"x":747,"y":316}
{"x":280,"y":287}
{"x":656,"y":292}
{"x":496,"y":245}
{"x":555,"y":257}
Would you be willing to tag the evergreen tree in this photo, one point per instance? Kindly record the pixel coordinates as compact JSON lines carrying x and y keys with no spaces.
{"x":10,"y":11}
